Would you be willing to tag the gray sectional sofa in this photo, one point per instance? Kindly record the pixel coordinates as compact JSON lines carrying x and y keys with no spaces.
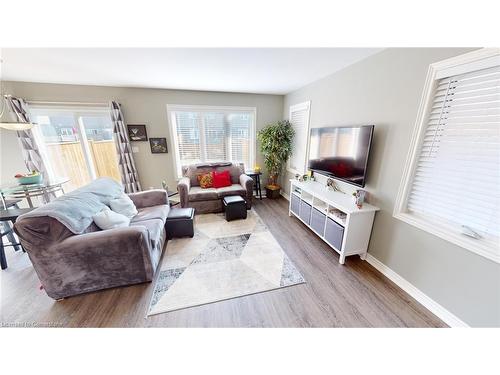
{"x":210,"y":199}
{"x":68,"y":264}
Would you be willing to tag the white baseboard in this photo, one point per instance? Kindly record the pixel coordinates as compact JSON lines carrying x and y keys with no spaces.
{"x":285,"y":195}
{"x":416,"y":293}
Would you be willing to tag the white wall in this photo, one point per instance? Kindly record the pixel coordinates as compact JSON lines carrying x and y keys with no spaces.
{"x":140,"y":106}
{"x":385,"y":90}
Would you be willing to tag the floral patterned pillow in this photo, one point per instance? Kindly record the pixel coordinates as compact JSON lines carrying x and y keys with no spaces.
{"x":206,"y":180}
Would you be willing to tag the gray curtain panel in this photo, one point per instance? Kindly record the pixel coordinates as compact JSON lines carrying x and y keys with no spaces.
{"x":128,"y":171}
{"x":31,"y":153}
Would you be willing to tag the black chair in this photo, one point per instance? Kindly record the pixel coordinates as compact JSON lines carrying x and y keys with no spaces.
{"x":7,"y":229}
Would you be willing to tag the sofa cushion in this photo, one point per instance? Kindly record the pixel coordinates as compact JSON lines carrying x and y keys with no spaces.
{"x":148,"y":198}
{"x":153,"y":212}
{"x":196,"y":193}
{"x":234,"y":189}
{"x":214,"y":165}
{"x":154,"y":227}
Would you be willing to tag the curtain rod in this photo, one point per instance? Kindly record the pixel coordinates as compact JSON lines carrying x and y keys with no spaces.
{"x":40,"y":102}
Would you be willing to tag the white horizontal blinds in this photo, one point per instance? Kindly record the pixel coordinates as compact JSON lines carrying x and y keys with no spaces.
{"x":188,"y":136}
{"x":214,"y":133}
{"x":240,"y":131}
{"x":299,"y":118}
{"x":212,"y":136}
{"x":457,"y":176}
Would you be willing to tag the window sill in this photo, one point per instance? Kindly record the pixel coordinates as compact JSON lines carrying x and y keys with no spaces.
{"x":483,"y":248}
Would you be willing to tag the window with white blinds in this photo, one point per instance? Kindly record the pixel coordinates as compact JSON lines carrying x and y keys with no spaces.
{"x":212,"y":134}
{"x":299,"y":118}
{"x":454,"y":185}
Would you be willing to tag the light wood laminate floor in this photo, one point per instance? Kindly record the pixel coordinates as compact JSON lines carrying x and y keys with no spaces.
{"x":350,"y":295}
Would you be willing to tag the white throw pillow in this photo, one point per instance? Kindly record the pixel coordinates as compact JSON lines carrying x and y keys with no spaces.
{"x":107,"y":219}
{"x":124,"y":206}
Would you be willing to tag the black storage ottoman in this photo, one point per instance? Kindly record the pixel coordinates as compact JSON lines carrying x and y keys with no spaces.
{"x":180,"y":223}
{"x":235,"y":207}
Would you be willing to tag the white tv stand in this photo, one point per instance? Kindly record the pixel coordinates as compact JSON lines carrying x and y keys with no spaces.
{"x":333,"y":216}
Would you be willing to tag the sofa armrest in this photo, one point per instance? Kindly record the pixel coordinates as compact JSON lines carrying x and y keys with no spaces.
{"x":149,"y":198}
{"x":95,"y":260}
{"x":183,"y":187}
{"x":247,"y":182}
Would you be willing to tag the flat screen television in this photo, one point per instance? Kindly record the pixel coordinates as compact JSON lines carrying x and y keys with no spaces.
{"x":341,"y":152}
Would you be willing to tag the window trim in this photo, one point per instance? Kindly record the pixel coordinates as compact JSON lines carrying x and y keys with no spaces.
{"x":209,"y":108}
{"x":297,"y":107}
{"x":452,"y":66}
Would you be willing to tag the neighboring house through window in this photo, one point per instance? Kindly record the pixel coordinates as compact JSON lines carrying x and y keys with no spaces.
{"x":76,"y":143}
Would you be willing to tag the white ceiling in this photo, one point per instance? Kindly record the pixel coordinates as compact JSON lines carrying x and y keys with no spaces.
{"x":252,"y":70}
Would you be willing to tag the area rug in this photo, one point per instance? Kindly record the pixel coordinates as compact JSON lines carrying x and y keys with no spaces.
{"x":223,"y":260}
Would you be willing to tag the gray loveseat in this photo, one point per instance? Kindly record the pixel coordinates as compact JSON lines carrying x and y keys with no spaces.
{"x":210,"y":199}
{"x":68,"y":264}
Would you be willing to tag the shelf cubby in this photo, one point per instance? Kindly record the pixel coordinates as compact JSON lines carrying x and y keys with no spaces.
{"x":333,"y":216}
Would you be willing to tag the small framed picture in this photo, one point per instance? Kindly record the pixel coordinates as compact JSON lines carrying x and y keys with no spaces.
{"x":158,"y":145}
{"x":137,"y":133}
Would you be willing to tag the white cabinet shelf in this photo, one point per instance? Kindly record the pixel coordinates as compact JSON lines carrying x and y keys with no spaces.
{"x":333,"y":216}
{"x":339,"y":219}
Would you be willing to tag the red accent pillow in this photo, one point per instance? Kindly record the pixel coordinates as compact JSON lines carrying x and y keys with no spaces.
{"x":221,"y":179}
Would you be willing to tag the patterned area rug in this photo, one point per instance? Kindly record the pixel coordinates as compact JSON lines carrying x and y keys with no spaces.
{"x":223,"y":260}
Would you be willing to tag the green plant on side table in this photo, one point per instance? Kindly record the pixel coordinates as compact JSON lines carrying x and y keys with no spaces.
{"x":276,"y":146}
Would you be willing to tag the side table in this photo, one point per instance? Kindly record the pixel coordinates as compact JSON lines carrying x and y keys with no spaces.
{"x":256,"y":177}
{"x":171,"y":193}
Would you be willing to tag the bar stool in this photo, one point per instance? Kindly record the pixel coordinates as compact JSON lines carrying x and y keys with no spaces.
{"x":7,"y":219}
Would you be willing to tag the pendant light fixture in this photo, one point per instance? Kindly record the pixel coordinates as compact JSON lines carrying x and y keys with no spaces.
{"x":9,"y":125}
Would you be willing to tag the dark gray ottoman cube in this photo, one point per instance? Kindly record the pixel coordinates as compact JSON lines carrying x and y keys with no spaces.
{"x":235,"y":207}
{"x":180,"y":223}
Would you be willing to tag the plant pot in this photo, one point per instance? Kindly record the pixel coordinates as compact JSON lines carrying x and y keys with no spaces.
{"x":273,"y":192}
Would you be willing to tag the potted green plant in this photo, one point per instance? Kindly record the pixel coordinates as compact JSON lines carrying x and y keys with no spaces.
{"x":276,"y":146}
